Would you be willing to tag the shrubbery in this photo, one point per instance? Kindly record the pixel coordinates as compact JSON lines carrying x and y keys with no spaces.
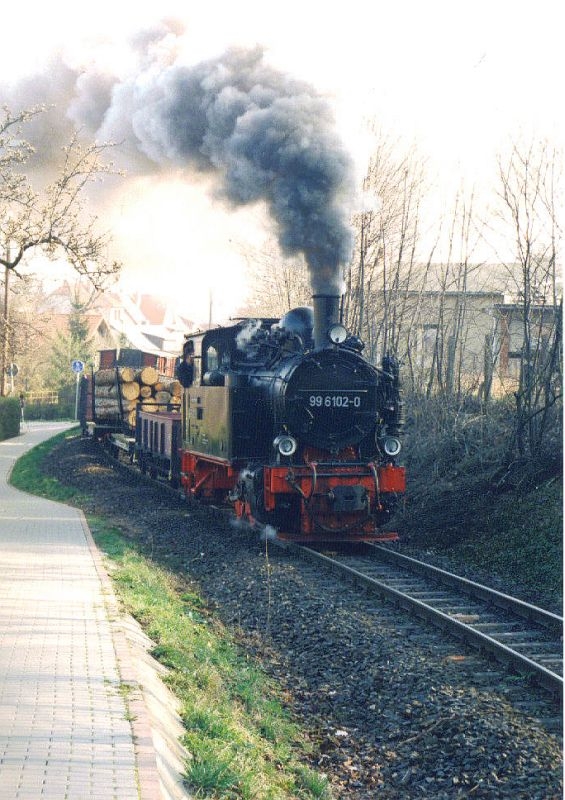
{"x":9,"y":417}
{"x":64,"y":409}
{"x":446,"y":439}
{"x":473,"y":497}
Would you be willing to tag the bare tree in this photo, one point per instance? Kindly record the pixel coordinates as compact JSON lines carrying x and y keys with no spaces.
{"x":276,"y":284}
{"x":451,"y":372}
{"x":404,"y":297}
{"x":384,"y":267}
{"x":27,"y":340}
{"x":52,"y":219}
{"x":528,"y":191}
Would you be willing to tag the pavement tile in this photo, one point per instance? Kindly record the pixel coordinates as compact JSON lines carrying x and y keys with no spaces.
{"x":63,"y":728}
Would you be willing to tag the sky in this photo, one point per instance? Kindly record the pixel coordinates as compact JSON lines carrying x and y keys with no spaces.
{"x":456,"y":78}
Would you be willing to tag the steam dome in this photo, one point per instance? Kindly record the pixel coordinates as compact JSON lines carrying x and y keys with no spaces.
{"x":299,"y":321}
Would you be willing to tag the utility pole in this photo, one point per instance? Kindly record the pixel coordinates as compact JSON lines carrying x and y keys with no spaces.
{"x":6,"y":321}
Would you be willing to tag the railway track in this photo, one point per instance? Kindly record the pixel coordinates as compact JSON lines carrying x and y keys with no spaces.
{"x":520,"y":635}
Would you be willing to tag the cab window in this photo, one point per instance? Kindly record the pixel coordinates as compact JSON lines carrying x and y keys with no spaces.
{"x":212,"y":359}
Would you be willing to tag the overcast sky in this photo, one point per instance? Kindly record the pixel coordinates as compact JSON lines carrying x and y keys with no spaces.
{"x":459,"y":78}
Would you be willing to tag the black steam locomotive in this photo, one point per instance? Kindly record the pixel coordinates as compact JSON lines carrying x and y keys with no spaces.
{"x":288,"y":421}
{"x":283,"y":418}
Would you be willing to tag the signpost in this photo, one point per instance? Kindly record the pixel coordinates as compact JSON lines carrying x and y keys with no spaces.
{"x":11,"y":371}
{"x":77,"y":367}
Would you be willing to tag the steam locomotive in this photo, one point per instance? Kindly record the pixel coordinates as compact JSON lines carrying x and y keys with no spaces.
{"x":285,"y":420}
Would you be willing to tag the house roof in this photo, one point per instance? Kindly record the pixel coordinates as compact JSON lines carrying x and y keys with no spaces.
{"x":147,"y":322}
{"x":153,"y":309}
{"x":517,"y":308}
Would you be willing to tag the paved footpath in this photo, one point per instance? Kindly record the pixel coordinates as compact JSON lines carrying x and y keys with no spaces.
{"x":71,"y":727}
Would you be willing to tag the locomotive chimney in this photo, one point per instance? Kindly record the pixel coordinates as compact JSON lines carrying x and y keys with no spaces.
{"x":326,"y":312}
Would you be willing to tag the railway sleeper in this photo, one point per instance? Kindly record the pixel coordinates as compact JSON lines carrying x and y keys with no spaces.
{"x":451,"y":603}
{"x":400,"y":586}
{"x":528,"y":636}
{"x":459,"y":613}
{"x":495,"y":627}
{"x":533,"y":650}
{"x":432,"y":597}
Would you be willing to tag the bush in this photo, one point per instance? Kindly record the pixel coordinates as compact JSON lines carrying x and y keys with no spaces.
{"x":444,"y":437}
{"x":63,"y":409}
{"x":470,"y":498}
{"x":9,"y":417}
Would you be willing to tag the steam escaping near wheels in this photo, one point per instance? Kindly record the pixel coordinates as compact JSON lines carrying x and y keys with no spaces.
{"x":268,"y":534}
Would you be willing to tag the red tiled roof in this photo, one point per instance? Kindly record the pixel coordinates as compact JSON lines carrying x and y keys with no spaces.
{"x":152,"y":308}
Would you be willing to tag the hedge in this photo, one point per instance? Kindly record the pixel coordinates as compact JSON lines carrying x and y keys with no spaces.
{"x":63,"y":409}
{"x":9,"y":417}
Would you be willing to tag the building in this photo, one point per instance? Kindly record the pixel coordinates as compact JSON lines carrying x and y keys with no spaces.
{"x":117,"y":319}
{"x":512,"y":333}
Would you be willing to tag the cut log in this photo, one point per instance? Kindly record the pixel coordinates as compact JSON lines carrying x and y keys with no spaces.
{"x":127,"y":374}
{"x":108,"y":413}
{"x":104,"y":392}
{"x":130,"y":390}
{"x":112,"y":405}
{"x":166,"y":384}
{"x":145,"y":391}
{"x":162,"y":397}
{"x":105,"y":377}
{"x":107,"y":402}
{"x":149,"y":376}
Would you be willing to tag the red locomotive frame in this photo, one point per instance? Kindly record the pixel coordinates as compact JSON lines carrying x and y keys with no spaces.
{"x":212,"y":479}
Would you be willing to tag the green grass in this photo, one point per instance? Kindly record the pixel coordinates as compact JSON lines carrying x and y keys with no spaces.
{"x":28,"y":476}
{"x":241,"y":741}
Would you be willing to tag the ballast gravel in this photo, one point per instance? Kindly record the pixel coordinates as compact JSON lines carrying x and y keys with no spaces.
{"x":395,"y":710}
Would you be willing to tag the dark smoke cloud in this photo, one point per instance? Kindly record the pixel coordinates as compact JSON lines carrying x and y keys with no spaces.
{"x":47,"y":132}
{"x":264,"y":135}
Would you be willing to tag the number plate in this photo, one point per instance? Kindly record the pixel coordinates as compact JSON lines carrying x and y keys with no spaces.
{"x":347,"y":399}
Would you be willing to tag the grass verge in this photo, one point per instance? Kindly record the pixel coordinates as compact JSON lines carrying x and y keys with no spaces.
{"x":28,"y":476}
{"x":241,"y":741}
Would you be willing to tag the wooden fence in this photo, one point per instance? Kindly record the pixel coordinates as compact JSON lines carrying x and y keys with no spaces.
{"x":39,"y":398}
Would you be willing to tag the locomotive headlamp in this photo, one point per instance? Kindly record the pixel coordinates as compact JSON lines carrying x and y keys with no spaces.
{"x":391,"y":445}
{"x":337,"y":333}
{"x":286,"y":445}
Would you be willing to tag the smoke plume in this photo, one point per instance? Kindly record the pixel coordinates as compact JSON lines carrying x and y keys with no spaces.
{"x":263,"y":135}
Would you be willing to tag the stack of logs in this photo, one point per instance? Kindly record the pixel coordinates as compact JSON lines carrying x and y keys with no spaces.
{"x":135,"y":386}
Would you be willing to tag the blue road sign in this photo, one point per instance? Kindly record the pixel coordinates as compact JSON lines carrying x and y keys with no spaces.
{"x":77,"y":366}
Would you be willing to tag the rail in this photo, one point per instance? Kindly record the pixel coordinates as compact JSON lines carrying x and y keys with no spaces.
{"x":514,"y":632}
